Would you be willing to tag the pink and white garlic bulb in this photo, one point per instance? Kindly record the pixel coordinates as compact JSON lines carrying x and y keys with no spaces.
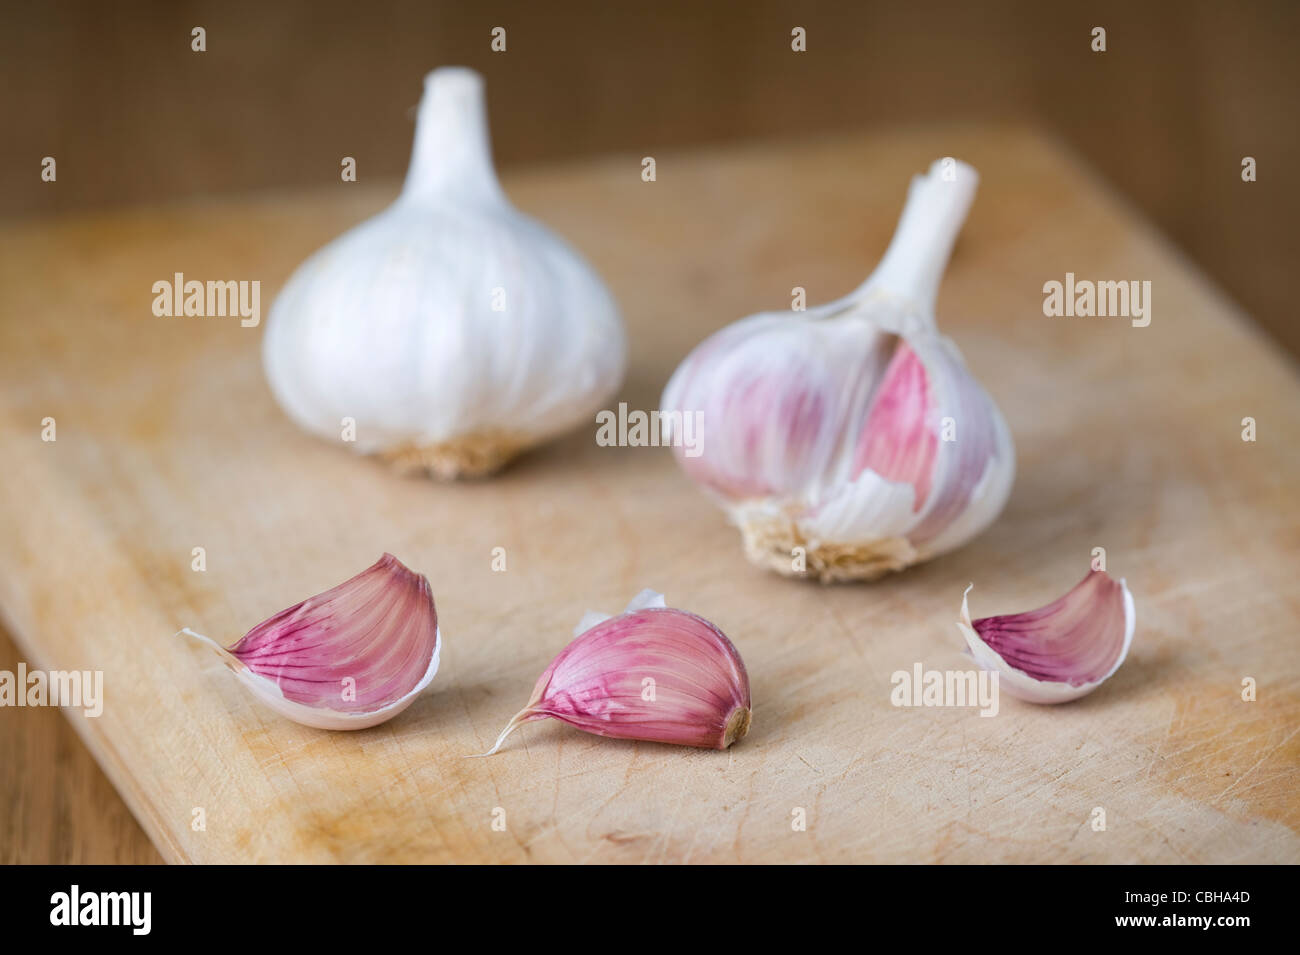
{"x":850,"y":440}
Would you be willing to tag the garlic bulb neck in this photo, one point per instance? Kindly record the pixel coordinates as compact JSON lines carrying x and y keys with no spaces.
{"x":452,"y":156}
{"x":914,"y":263}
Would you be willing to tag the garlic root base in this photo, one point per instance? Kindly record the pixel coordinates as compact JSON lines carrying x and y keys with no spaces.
{"x":770,"y":542}
{"x":469,"y":456}
{"x":737,"y":725}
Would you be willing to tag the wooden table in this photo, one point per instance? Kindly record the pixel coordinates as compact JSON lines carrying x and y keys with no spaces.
{"x":1128,"y":438}
{"x":59,"y":806}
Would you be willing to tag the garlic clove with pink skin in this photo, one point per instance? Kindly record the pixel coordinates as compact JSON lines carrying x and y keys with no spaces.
{"x":349,"y":658}
{"x":651,"y":673}
{"x":851,"y":440}
{"x":1059,"y":652}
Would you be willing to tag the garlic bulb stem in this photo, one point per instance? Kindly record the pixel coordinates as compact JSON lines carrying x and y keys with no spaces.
{"x":914,"y":263}
{"x":452,"y":156}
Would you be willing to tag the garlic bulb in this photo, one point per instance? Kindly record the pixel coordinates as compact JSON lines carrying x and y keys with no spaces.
{"x":450,"y":332}
{"x":850,"y":440}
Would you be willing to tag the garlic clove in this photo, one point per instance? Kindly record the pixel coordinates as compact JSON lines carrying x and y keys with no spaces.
{"x":917,"y":495}
{"x":651,"y":673}
{"x":450,"y":332}
{"x":897,"y":442}
{"x":769,"y":394}
{"x":852,"y":435}
{"x":1059,"y":652}
{"x":349,"y":658}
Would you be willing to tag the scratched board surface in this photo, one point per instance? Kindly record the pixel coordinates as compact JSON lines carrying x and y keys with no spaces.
{"x":1128,"y":439}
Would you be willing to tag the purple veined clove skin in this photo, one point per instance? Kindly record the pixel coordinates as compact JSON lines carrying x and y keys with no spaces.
{"x":651,"y":673}
{"x":1061,"y":651}
{"x":346,"y":659}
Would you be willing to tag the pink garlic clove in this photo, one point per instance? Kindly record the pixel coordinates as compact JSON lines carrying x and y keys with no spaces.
{"x":774,"y":427}
{"x":899,"y":440}
{"x":652,"y":673}
{"x":1059,"y":652}
{"x":349,"y":658}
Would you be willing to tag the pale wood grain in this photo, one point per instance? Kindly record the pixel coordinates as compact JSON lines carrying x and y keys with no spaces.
{"x":1128,"y":439}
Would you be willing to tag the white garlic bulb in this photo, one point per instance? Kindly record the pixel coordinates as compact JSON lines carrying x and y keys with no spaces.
{"x":850,"y":440}
{"x":451,"y":331}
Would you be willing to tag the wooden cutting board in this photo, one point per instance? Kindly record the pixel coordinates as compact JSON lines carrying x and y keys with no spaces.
{"x":1128,"y":439}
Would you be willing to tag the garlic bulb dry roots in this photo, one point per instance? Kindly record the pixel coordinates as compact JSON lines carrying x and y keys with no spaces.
{"x":450,"y":332}
{"x":851,"y":440}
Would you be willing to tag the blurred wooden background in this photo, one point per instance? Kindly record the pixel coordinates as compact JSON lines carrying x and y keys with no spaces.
{"x":285,"y":90}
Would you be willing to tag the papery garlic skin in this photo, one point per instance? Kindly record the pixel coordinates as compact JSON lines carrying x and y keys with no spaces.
{"x":453,"y":330}
{"x":349,"y":658}
{"x":1061,"y":651}
{"x":651,"y":673}
{"x":852,"y":435}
